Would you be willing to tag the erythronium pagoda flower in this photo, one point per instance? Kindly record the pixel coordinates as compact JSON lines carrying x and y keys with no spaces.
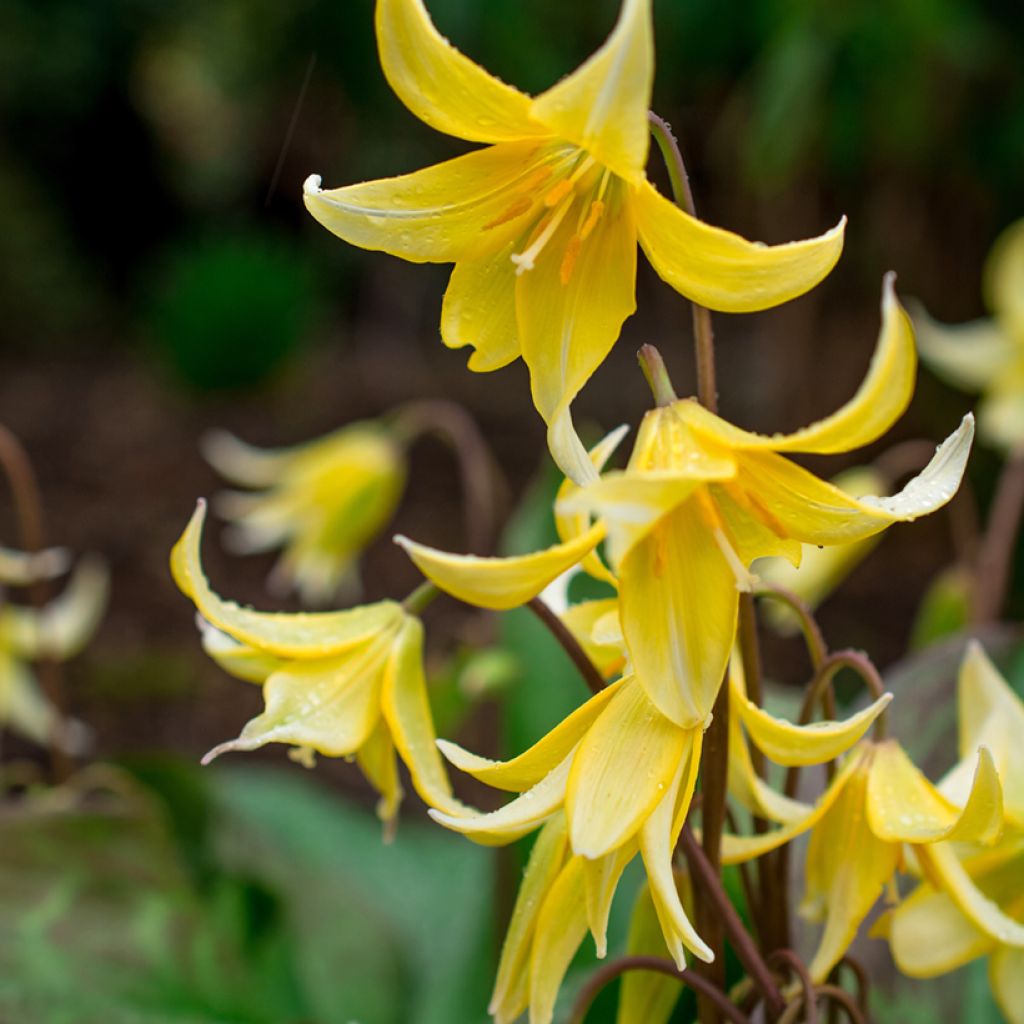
{"x":55,"y":632}
{"x":987,"y":356}
{"x":343,"y":684}
{"x":699,"y":501}
{"x":543,"y":224}
{"x":323,"y":501}
{"x":971,"y":903}
{"x":617,"y":776}
{"x":876,"y":804}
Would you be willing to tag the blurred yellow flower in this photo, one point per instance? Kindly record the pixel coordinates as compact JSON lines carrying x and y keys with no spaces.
{"x":344,"y":684}
{"x":543,"y":224}
{"x":56,"y":632}
{"x":971,"y":903}
{"x":322,"y":501}
{"x":987,"y":356}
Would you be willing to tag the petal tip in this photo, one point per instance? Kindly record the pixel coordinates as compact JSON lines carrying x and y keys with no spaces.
{"x":312,"y":185}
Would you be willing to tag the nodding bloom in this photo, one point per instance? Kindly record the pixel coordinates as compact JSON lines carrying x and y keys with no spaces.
{"x":322,"y":501}
{"x":987,"y":356}
{"x":971,"y":901}
{"x":343,"y":684}
{"x":699,"y":501}
{"x":55,"y":632}
{"x":542,"y":224}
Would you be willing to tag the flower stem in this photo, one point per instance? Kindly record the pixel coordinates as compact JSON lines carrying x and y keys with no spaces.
{"x":703,"y":335}
{"x":656,"y":375}
{"x":994,"y":561}
{"x":557,"y":628}
{"x":420,"y":598}
{"x":610,"y":971}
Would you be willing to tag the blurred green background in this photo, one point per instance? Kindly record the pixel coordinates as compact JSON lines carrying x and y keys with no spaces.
{"x":159,"y":276}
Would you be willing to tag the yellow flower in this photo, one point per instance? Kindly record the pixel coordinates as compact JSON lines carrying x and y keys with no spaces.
{"x":972,"y":902}
{"x":987,"y":356}
{"x":543,"y":224}
{"x":877,"y":802}
{"x":699,"y":501}
{"x":344,"y":684}
{"x":56,"y":632}
{"x":323,"y":501}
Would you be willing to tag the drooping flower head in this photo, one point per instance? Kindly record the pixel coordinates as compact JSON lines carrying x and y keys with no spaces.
{"x":543,"y":224}
{"x":322,"y":501}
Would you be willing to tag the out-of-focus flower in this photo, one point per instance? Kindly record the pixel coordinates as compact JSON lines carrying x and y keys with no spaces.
{"x":543,"y":224}
{"x":322,"y":501}
{"x":821,"y":569}
{"x":343,"y":684}
{"x":55,"y":632}
{"x":699,"y":501}
{"x":971,"y":903}
{"x":876,"y":803}
{"x":987,"y":356}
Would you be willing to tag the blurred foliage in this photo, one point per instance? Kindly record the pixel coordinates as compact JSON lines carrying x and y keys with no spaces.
{"x":229,"y":310}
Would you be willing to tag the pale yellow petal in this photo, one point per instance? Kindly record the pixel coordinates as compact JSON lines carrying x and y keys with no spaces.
{"x":378,"y":762}
{"x":245,"y":464}
{"x":602,"y":106}
{"x":440,"y":214}
{"x":903,"y":806}
{"x":301,"y":635}
{"x":601,"y":879}
{"x":1006,"y":974}
{"x":239,"y":660}
{"x":20,"y":568}
{"x":582,"y":619}
{"x":788,"y":744}
{"x":561,"y":925}
{"x":1001,"y":417}
{"x":1003,"y":280}
{"x":440,"y":85}
{"x":722,"y":270}
{"x":621,"y":771}
{"x":929,"y":935}
{"x":406,"y":709}
{"x":678,"y":603}
{"x":24,"y":708}
{"x":646,"y":997}
{"x":529,"y":768}
{"x":499,"y":583}
{"x":512,"y":984}
{"x":969,"y":356}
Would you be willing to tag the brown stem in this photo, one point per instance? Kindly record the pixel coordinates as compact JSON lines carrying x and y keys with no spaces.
{"x":615,"y":968}
{"x":995,"y":557}
{"x":569,"y":644}
{"x":839,"y":996}
{"x":861,"y":975}
{"x":796,"y":966}
{"x":816,"y":646}
{"x":703,"y":335}
{"x":29,"y":506}
{"x":477,"y":468}
{"x":707,"y":876}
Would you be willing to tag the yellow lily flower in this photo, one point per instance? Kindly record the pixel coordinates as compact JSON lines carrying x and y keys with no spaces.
{"x":343,"y":684}
{"x":971,"y":903}
{"x":876,"y":803}
{"x":56,"y":632}
{"x":323,"y":501}
{"x":543,"y":224}
{"x":987,"y":356}
{"x":699,"y":501}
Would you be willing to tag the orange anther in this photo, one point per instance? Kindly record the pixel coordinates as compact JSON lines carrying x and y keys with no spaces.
{"x":572,"y":251}
{"x":516,"y":208}
{"x":558,"y":193}
{"x":596,"y":212}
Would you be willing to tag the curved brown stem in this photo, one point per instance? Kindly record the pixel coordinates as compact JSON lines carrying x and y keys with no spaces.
{"x":863,"y":981}
{"x":995,"y":556}
{"x":796,"y":967}
{"x":815,"y":642}
{"x":569,"y":644}
{"x":610,"y":971}
{"x":842,"y":998}
{"x":477,"y":467}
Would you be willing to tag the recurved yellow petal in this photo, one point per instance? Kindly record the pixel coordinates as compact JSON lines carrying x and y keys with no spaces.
{"x":940,"y":863}
{"x":24,"y":707}
{"x":1003,"y":277}
{"x":303,"y":635}
{"x":20,"y":568}
{"x":582,"y":619}
{"x":1006,"y":974}
{"x":239,"y":660}
{"x":969,"y":356}
{"x":720,"y":269}
{"x":903,"y":806}
{"x":511,"y":986}
{"x":601,"y":879}
{"x":377,"y":761}
{"x":789,"y":744}
{"x":678,"y":602}
{"x":516,"y":818}
{"x":242,"y":463}
{"x":658,"y":837}
{"x":330,"y":705}
{"x":646,"y":997}
{"x":570,"y":307}
{"x":406,"y":710}
{"x":561,"y":925}
{"x":602,"y":106}
{"x":529,"y":768}
{"x":499,"y":583}
{"x":440,"y":214}
{"x":929,"y":935}
{"x":620,"y":772}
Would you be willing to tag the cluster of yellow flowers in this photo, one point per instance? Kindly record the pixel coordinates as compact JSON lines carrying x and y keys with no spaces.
{"x":542,"y":226}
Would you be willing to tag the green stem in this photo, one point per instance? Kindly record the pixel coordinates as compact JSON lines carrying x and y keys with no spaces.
{"x":425,"y":594}
{"x":656,"y":375}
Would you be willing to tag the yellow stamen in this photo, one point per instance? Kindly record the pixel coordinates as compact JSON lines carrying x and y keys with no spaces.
{"x":516,"y":208}
{"x":572,"y":251}
{"x":558,"y":193}
{"x":596,"y":212}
